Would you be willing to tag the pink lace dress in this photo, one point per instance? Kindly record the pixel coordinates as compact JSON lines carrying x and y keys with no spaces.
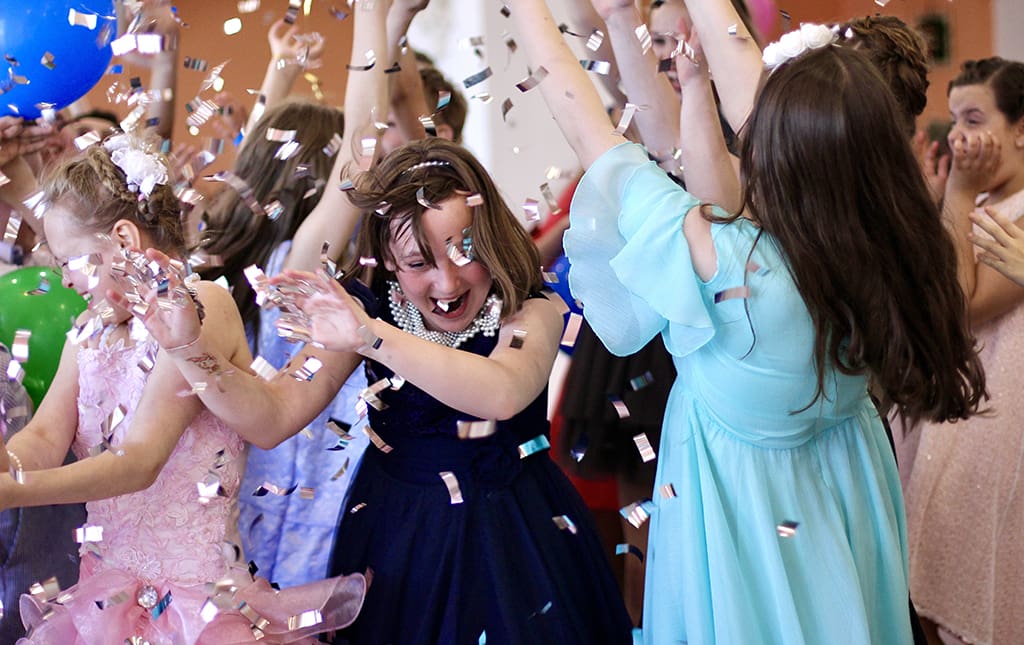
{"x":148,"y":575}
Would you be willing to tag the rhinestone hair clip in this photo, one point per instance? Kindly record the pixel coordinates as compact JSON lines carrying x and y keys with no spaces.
{"x":426,"y":164}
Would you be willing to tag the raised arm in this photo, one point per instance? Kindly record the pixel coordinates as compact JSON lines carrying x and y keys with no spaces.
{"x":334,"y":219}
{"x":658,"y":122}
{"x":708,"y":167}
{"x":571,"y":97}
{"x":735,"y":60}
{"x":406,"y":89}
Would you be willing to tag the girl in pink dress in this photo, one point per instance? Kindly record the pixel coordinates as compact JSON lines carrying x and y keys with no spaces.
{"x":157,"y":470}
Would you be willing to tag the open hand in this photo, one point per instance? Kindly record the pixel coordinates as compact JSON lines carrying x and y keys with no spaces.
{"x":935,"y":168}
{"x":171,"y":326}
{"x":292,"y":47}
{"x":1005,"y":251}
{"x":336,"y":320}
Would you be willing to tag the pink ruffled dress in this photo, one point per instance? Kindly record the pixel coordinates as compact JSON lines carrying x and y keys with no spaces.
{"x":160,"y":573}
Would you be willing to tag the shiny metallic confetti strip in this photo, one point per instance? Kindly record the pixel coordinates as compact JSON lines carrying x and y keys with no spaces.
{"x":476,"y":429}
{"x":452,"y":483}
{"x":283,"y":136}
{"x":376,"y":440}
{"x":787,"y":528}
{"x":638,"y":512}
{"x":620,"y":407}
{"x":423,"y":201}
{"x":369,"y":394}
{"x":307,"y":492}
{"x":248,"y":6}
{"x":309,"y":368}
{"x":572,"y":330}
{"x":196,"y":64}
{"x":532,"y":209}
{"x":333,"y":146}
{"x":19,"y":348}
{"x":371,"y":60}
{"x":293,"y":11}
{"x":518,"y":337}
{"x":455,"y":254}
{"x":242,"y":188}
{"x":533,"y":80}
{"x":305,"y":619}
{"x":46,"y":590}
{"x":537,"y":444}
{"x":506,"y":107}
{"x":47,"y":61}
{"x":263,"y":368}
{"x":81,"y":19}
{"x":268,"y":487}
{"x":366,"y":261}
{"x":563,"y":522}
{"x":627,"y":117}
{"x":259,"y":623}
{"x":358,"y":507}
{"x":549,"y":197}
{"x":623,"y":549}
{"x":643,"y":36}
{"x":477,"y":78}
{"x":15,"y":371}
{"x":787,"y":20}
{"x":668,"y":491}
{"x":732,"y":293}
{"x":370,"y":339}
{"x":757,"y":269}
{"x":341,"y":471}
{"x":640,"y":382}
{"x":598,"y":66}
{"x":210,"y":488}
{"x":643,"y":444}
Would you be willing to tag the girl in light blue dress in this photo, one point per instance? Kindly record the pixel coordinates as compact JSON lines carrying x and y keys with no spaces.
{"x":777,"y":514}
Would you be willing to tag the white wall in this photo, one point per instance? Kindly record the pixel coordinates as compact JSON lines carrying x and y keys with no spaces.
{"x":1007,"y":28}
{"x":529,"y":129}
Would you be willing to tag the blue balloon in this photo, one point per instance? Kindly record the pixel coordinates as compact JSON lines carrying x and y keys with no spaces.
{"x":560,"y":268}
{"x":55,"y":52}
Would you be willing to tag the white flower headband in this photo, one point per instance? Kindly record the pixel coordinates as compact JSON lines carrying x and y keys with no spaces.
{"x":796,"y":42}
{"x":143,"y":170}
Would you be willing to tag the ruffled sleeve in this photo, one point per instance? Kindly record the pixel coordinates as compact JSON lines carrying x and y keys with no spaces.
{"x":631,"y":264}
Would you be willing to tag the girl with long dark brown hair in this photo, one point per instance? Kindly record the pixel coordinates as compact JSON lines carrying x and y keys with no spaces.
{"x":778,"y":515}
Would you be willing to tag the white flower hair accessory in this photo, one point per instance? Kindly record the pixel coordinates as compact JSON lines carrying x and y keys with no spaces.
{"x":143,"y":169}
{"x":796,"y":42}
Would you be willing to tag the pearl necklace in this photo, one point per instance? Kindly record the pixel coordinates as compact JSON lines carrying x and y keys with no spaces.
{"x":410,"y":319}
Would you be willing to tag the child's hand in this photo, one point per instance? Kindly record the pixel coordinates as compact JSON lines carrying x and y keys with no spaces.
{"x":934,"y":168}
{"x":288,"y":45}
{"x":690,"y":62}
{"x":172,"y":327}
{"x":337,"y":321}
{"x":18,"y":138}
{"x":976,"y":159}
{"x":1005,"y":251}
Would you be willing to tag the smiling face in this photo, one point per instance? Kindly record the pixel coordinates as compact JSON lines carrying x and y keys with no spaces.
{"x":449,"y":296}
{"x":84,"y":258}
{"x":974,"y":111}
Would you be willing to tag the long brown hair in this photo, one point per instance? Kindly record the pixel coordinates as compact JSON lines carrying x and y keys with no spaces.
{"x":829,"y":174}
{"x":239,"y":236}
{"x":388,"y":196}
{"x":97,"y":192}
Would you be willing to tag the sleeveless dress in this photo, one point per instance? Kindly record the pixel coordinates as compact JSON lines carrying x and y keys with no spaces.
{"x":147,"y":575}
{"x":491,"y":568}
{"x":965,"y":498}
{"x":289,"y":536}
{"x":767,"y":524}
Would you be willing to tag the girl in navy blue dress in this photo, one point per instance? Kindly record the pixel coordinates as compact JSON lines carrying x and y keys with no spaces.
{"x":471,"y":532}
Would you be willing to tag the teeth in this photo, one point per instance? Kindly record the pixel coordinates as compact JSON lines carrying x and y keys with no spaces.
{"x":445,"y":305}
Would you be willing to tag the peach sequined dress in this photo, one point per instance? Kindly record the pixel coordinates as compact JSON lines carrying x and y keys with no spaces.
{"x":965,"y":499}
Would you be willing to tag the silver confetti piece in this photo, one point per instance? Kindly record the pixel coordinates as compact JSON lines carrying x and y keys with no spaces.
{"x":453,"y":486}
{"x":643,"y":444}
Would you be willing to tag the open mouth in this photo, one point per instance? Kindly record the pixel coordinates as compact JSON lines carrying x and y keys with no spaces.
{"x":450,"y":308}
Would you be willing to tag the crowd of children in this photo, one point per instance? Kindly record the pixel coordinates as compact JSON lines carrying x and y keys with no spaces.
{"x":350,"y":442}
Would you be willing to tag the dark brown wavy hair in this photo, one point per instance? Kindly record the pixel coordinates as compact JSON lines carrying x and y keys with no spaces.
{"x":239,"y":236}
{"x":96,"y":191}
{"x":1005,"y":77}
{"x":443,"y":170}
{"x":901,"y":56}
{"x":830,"y":176}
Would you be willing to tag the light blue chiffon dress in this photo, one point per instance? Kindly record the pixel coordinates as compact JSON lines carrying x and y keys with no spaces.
{"x":782,"y":524}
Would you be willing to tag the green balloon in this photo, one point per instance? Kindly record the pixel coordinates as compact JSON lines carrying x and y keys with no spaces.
{"x":33,"y":299}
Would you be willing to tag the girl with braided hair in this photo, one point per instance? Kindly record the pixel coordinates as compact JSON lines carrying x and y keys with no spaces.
{"x":158,"y":472}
